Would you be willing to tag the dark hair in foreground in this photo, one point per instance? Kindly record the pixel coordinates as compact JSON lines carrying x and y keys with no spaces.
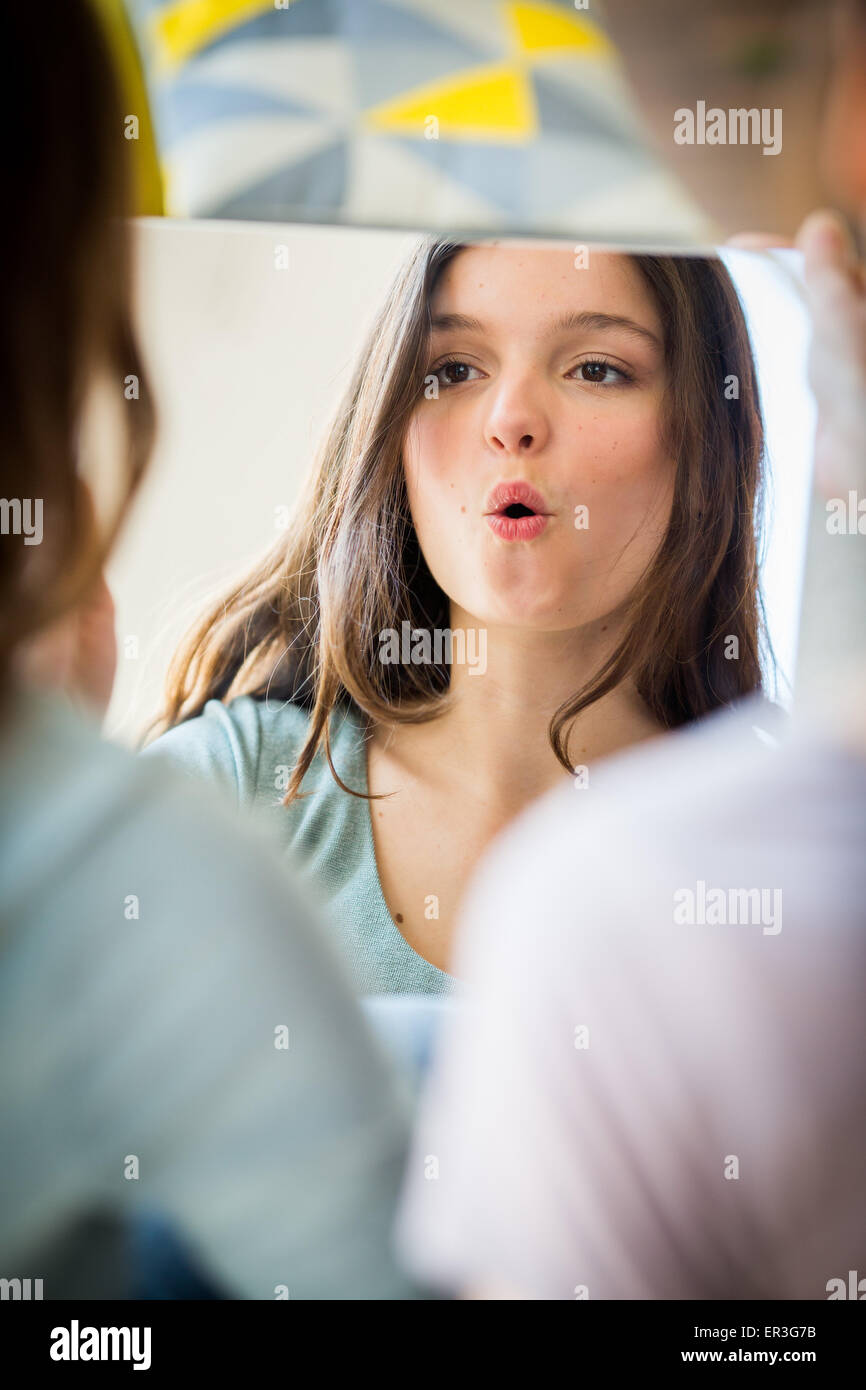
{"x":303,"y":625}
{"x":66,"y":319}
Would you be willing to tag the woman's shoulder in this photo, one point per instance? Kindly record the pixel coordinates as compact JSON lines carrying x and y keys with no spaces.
{"x":245,"y":743}
{"x":228,"y":742}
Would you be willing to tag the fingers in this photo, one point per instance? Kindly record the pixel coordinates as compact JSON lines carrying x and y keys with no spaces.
{"x":829,"y":257}
{"x":836,"y":291}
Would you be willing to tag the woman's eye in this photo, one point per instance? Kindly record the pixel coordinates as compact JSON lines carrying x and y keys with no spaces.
{"x":599,"y":373}
{"x":453,"y":373}
{"x":596,"y":372}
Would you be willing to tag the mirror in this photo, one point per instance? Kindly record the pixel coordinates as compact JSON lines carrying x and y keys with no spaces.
{"x":252,"y":334}
{"x":549,"y":117}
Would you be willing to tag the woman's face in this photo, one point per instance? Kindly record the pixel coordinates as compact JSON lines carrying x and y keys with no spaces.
{"x":550,"y":377}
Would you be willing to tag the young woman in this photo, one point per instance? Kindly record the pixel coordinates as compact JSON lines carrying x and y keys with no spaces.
{"x":135,"y":921}
{"x":558,"y":464}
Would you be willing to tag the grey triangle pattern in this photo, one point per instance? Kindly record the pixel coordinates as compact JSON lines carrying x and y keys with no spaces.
{"x":380,"y":164}
{"x":385,"y":70}
{"x":375,"y":20}
{"x":304,"y":19}
{"x":494,"y":171}
{"x":565,"y":169}
{"x":478,"y":22}
{"x":308,"y":189}
{"x":571,"y":113}
{"x":530,"y":182}
{"x":186,"y":106}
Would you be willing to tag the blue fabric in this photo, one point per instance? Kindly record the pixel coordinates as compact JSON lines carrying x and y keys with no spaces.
{"x":408,"y":1026}
{"x":162,"y":1266}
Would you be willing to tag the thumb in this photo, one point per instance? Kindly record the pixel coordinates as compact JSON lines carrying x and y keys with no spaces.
{"x":829,"y":254}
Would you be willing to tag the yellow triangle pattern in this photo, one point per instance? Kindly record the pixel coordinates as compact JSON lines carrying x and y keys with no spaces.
{"x":546,"y":28}
{"x":181,"y":29}
{"x":489,"y":103}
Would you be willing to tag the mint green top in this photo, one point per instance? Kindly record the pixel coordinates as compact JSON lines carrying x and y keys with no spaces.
{"x":250,"y":747}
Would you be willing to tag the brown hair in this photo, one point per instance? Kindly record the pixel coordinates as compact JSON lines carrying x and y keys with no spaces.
{"x":302,"y":627}
{"x":66,"y":317}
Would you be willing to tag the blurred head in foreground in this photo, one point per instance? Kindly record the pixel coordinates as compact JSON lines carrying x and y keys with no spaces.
{"x":66,"y":325}
{"x":154,"y":958}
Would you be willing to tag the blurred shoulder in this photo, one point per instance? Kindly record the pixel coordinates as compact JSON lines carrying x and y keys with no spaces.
{"x":79,"y":811}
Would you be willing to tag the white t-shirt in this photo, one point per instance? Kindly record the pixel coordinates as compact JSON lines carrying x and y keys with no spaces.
{"x":657,"y":1089}
{"x":175,"y":1033}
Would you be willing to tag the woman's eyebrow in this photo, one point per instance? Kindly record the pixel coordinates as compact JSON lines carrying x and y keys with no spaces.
{"x":588,"y":320}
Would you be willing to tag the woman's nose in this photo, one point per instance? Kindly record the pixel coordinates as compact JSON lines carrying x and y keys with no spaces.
{"x":515,"y":423}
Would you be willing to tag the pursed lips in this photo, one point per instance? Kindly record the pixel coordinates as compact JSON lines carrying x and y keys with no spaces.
{"x":516,"y":511}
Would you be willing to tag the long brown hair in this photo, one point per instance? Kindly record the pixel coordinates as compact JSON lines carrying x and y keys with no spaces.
{"x":303,"y":625}
{"x":66,"y":319}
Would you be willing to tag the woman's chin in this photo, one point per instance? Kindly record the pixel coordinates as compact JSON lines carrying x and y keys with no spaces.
{"x":534,"y":614}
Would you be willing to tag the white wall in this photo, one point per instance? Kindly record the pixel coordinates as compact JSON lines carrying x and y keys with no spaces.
{"x":247,"y":363}
{"x":770,"y":289}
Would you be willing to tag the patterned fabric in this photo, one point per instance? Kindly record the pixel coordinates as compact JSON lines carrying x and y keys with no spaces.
{"x":470,"y":115}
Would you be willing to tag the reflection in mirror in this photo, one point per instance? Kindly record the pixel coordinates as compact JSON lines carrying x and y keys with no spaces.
{"x":673,"y":123}
{"x":472,"y":118}
{"x":254,"y":336}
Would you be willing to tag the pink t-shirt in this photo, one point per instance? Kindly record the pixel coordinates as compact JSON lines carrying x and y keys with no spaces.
{"x":656,"y":1089}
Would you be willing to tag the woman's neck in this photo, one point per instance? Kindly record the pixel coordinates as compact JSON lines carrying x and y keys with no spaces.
{"x":494,"y":733}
